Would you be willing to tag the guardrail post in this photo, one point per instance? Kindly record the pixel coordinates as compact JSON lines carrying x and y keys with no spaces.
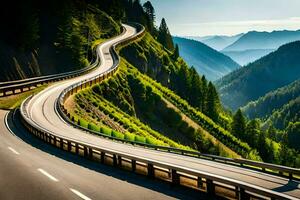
{"x":61,"y":143}
{"x":199,"y":182}
{"x":175,"y":177}
{"x":120,"y":161}
{"x":133,"y":165}
{"x":115,"y":161}
{"x":85,"y":152}
{"x":69,"y":146}
{"x":76,"y":148}
{"x":150,"y":170}
{"x":210,"y":187}
{"x":102,"y":157}
{"x":243,"y":195}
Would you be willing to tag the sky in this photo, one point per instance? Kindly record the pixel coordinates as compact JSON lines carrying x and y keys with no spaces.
{"x":227,"y":17}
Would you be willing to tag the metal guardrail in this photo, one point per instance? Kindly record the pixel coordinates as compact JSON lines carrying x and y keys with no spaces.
{"x":205,"y":181}
{"x":279,"y":170}
{"x":19,"y":86}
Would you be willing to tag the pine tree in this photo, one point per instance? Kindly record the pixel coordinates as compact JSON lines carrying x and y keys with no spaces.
{"x":148,"y":8}
{"x":176,"y":52}
{"x":164,"y":36}
{"x":204,"y":93}
{"x":212,"y":102}
{"x":238,"y":126}
{"x":251,"y":133}
{"x":195,"y":91}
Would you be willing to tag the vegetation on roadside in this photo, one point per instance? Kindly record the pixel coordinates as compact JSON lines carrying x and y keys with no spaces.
{"x":14,"y":101}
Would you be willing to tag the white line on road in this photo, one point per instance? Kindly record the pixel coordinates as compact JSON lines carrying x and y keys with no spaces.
{"x":48,"y":175}
{"x":14,"y":151}
{"x":80,"y":194}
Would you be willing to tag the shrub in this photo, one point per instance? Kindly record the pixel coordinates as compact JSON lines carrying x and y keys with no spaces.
{"x":83,"y":123}
{"x":106,"y":131}
{"x":129,"y":137}
{"x":117,"y":134}
{"x":93,"y":127}
{"x":140,"y":139}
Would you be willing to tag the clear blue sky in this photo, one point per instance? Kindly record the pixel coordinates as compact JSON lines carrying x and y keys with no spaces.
{"x":227,"y":17}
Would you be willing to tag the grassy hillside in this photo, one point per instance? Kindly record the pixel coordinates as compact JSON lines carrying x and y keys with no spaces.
{"x":206,"y":60}
{"x":271,"y":72}
{"x":170,"y":120}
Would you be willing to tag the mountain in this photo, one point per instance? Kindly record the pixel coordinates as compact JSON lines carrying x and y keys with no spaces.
{"x":271,"y":72}
{"x":206,"y":60}
{"x":274,"y":100}
{"x":220,"y":42}
{"x":45,"y":38}
{"x":199,"y":38}
{"x":247,"y":56}
{"x":263,"y":40}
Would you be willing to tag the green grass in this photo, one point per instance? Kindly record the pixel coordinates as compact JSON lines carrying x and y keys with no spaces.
{"x":14,"y":101}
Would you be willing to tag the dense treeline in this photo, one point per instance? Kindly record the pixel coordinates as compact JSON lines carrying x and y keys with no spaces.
{"x":264,"y":106}
{"x":280,"y":147}
{"x":43,"y":37}
{"x":271,"y":72}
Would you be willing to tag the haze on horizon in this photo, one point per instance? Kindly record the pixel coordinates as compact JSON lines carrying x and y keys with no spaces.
{"x":227,"y":17}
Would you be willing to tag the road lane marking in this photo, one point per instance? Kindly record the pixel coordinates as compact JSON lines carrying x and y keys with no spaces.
{"x":80,"y":194}
{"x":14,"y":151}
{"x":48,"y":175}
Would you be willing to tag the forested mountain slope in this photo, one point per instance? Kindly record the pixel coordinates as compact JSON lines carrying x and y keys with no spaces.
{"x":44,"y":38}
{"x":264,"y":106}
{"x":206,"y":60}
{"x":271,"y":72}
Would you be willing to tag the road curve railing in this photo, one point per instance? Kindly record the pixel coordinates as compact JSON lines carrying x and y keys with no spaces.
{"x":19,"y":86}
{"x":283,"y":171}
{"x":205,"y":181}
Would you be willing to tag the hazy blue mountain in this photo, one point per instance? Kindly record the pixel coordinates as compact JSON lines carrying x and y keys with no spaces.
{"x":263,"y":40}
{"x":247,"y":56}
{"x":217,"y":42}
{"x":220,"y":42}
{"x":206,"y":60}
{"x":199,"y":38}
{"x":271,"y":72}
{"x":274,"y":100}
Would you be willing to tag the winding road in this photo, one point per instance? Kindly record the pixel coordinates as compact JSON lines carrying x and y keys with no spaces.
{"x":63,"y":178}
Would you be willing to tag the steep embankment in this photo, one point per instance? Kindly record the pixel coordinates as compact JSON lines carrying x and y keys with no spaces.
{"x":46,"y":38}
{"x":206,"y":60}
{"x":271,"y":72}
{"x":138,"y":106}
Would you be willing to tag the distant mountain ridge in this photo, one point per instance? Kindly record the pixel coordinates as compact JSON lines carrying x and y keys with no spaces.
{"x":263,"y":40}
{"x":206,"y":60}
{"x":247,"y":56}
{"x":273,"y":71}
{"x":217,"y":42}
{"x":221,"y":42}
